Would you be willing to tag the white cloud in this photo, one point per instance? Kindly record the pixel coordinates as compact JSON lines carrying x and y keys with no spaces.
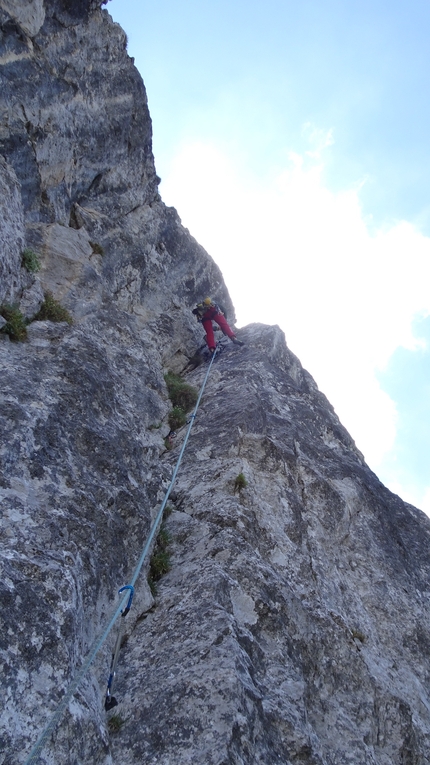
{"x":318,"y":139}
{"x":296,"y":254}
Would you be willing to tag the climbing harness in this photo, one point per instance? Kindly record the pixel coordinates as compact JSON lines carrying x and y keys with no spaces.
{"x":122,"y":609}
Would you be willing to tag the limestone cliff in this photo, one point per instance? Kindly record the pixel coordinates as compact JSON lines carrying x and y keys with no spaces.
{"x":293,"y":626}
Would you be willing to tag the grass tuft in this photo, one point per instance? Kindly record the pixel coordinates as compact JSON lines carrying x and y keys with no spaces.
{"x":97,"y":248}
{"x":183,"y":398}
{"x":115,"y":723}
{"x":52,"y":310}
{"x":30,"y":260}
{"x":160,"y":559}
{"x":180,"y":393}
{"x":160,"y":565}
{"x":240,"y":482}
{"x":177,"y":418}
{"x":15,"y":326}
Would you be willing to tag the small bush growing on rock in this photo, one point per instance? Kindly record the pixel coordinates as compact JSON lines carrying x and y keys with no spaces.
{"x":15,"y":326}
{"x":30,"y":261}
{"x":180,"y":393}
{"x":52,"y":310}
{"x":240,"y":482}
{"x":97,"y":248}
{"x":177,"y":418}
{"x":163,"y":538}
{"x":183,"y":398}
{"x":160,"y":565}
{"x":160,"y":559}
{"x":115,"y":723}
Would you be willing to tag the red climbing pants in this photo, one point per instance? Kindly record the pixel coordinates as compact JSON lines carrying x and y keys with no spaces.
{"x":213,"y":315}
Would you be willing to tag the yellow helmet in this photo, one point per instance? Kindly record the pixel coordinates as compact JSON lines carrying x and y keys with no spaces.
{"x":207,"y":301}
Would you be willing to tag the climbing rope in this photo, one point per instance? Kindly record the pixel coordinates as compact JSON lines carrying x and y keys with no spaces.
{"x":122,"y":608}
{"x":173,"y":433}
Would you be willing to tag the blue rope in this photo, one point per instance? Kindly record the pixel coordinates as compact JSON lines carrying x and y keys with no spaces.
{"x":35,"y":752}
{"x":97,"y":644}
{"x":175,"y":472}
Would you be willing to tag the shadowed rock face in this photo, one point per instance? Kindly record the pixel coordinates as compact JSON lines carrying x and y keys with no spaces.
{"x":293,"y":626}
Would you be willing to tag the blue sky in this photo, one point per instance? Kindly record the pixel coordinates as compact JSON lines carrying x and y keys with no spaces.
{"x":292,"y":139}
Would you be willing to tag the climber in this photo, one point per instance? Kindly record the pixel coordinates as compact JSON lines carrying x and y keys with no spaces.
{"x":206,"y":312}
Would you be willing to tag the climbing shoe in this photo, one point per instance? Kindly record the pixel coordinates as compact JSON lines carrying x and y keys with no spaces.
{"x":237,"y":341}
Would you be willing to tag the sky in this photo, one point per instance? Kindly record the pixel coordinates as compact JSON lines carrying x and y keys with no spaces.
{"x":292,"y":138}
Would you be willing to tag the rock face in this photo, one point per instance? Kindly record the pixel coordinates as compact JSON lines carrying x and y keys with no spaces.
{"x":298,"y":600}
{"x":293,"y":626}
{"x":11,"y":234}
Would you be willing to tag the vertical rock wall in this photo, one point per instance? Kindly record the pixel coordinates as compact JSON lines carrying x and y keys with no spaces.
{"x":294,"y":624}
{"x":12,"y":235}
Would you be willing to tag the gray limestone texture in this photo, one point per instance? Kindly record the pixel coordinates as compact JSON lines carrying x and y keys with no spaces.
{"x":12,"y":235}
{"x":30,"y":15}
{"x":293,"y":625}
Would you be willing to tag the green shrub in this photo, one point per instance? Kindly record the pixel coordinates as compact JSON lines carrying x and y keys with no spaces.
{"x":240,"y":482}
{"x":15,"y":326}
{"x":163,"y":538}
{"x":52,"y":310}
{"x":97,"y":248}
{"x":115,"y":723}
{"x":177,"y":418}
{"x":159,"y":565}
{"x":183,"y":398}
{"x":180,"y":393}
{"x":160,"y":559}
{"x":30,"y":261}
